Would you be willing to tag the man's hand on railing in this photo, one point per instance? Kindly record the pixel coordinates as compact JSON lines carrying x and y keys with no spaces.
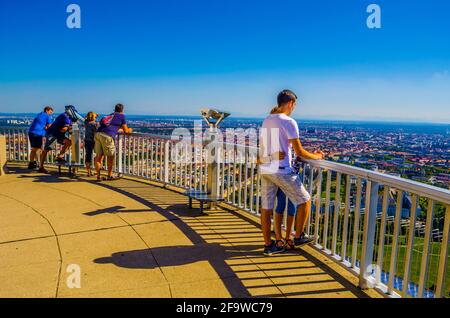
{"x":125,"y":130}
{"x":320,"y":154}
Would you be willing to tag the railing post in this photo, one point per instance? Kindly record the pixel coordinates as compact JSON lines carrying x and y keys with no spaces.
{"x":3,"y":169}
{"x":370,"y":219}
{"x":166,"y":162}
{"x":120,"y":154}
{"x":441,"y":275}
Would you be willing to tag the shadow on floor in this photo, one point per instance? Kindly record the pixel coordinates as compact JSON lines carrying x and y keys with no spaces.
{"x":167,"y":256}
{"x":115,"y":209}
{"x":180,"y":210}
{"x":217,"y":255}
{"x":52,"y":177}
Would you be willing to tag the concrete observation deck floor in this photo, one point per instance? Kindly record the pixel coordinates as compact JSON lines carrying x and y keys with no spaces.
{"x":131,"y":238}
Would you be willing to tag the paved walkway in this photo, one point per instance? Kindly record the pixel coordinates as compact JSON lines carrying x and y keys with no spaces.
{"x":133,"y":239}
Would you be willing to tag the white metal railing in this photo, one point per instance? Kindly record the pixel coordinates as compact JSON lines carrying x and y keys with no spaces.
{"x":391,"y":232}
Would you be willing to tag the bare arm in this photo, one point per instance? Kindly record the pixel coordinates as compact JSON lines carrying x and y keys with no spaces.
{"x":301,"y":152}
{"x":126,"y":130}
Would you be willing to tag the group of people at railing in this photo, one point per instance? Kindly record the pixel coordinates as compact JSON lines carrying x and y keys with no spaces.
{"x":278,"y":176}
{"x":99,"y":135}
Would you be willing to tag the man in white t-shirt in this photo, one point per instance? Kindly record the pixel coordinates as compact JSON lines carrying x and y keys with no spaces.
{"x":279,"y":132}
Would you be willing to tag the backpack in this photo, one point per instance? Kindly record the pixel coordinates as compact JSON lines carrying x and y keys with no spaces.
{"x":106,"y":121}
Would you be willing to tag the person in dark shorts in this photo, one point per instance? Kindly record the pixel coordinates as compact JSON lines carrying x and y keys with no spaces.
{"x":57,"y":132}
{"x":37,"y":132}
{"x":90,"y":125}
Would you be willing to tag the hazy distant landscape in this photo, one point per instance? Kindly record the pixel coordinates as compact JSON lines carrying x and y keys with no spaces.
{"x":416,"y":151}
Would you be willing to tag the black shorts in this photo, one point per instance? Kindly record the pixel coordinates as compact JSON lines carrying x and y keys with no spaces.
{"x":88,"y":150}
{"x":51,"y":139}
{"x":35,"y":140}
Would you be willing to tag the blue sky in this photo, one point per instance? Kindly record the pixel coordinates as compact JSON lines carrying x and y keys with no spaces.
{"x":176,"y":56}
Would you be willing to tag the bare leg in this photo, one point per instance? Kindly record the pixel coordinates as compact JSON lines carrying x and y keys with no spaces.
{"x":67,"y":143}
{"x":43,"y":158}
{"x":278,"y":223}
{"x":110,"y":163}
{"x":33,"y":154}
{"x":98,"y":164}
{"x":266,"y":217}
{"x":88,"y":168}
{"x":289,"y":223}
{"x":303,"y":211}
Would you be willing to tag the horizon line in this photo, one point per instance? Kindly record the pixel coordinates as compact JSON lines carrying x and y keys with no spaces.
{"x":393,"y":121}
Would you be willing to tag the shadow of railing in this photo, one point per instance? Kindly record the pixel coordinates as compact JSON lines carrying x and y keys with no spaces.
{"x":239,"y":263}
{"x":217,"y":255}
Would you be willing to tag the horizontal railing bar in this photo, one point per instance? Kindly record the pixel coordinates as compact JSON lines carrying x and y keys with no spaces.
{"x":437,"y":194}
{"x":422,"y":189}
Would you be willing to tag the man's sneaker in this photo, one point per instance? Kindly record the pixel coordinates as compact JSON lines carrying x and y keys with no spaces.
{"x":32,"y":165}
{"x":42,"y":170}
{"x":61,"y":160}
{"x":303,"y":240}
{"x":273,"y":249}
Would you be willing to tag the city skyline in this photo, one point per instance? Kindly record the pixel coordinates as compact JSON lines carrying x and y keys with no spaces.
{"x":174,"y":58}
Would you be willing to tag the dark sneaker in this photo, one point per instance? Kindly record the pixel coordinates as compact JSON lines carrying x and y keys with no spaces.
{"x":273,"y":249}
{"x":303,"y":240}
{"x":61,"y":160}
{"x":42,"y":170}
{"x":32,"y":165}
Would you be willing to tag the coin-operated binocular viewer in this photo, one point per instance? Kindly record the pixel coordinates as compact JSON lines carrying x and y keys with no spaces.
{"x":75,"y":137}
{"x":213,"y":118}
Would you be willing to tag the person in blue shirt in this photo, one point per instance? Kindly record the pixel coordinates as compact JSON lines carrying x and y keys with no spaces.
{"x":57,"y":132}
{"x":36,"y":133}
{"x":105,"y":137}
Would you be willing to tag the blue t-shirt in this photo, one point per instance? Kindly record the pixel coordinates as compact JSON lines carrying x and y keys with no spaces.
{"x":39,"y":124}
{"x":116,"y":123}
{"x":60,"y":122}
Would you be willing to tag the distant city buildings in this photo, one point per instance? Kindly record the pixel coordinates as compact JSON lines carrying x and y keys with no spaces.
{"x":18,"y":122}
{"x":419,"y":153}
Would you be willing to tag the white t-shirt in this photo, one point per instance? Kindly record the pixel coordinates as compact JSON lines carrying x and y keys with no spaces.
{"x":276,"y":131}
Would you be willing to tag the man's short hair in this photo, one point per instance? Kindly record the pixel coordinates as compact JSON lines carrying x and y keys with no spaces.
{"x":286,"y":96}
{"x":119,"y":108}
{"x":48,"y":108}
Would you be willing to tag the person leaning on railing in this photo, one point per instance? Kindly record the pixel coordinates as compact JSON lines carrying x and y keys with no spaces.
{"x":58,"y":131}
{"x":37,"y":132}
{"x":278,"y":174}
{"x":110,"y":126}
{"x":90,"y":128}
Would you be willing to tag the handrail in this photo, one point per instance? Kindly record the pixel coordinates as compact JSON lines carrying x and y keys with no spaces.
{"x":435,"y":193}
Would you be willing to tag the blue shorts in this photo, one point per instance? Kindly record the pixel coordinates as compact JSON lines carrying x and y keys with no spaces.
{"x":281,"y":204}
